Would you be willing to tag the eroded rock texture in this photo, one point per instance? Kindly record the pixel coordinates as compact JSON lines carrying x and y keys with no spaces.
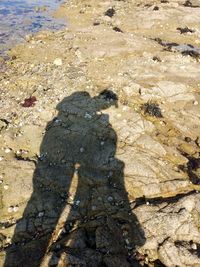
{"x":103,"y":168}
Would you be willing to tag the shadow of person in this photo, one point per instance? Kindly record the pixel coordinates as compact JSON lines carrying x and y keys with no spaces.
{"x":79,"y":213}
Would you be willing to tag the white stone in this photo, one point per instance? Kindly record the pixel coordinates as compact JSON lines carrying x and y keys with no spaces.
{"x":41,"y":214}
{"x":58,"y":62}
{"x":7,"y":150}
{"x":10,"y":209}
{"x":16,"y":208}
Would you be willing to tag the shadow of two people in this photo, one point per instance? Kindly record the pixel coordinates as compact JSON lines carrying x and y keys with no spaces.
{"x":98,"y":226}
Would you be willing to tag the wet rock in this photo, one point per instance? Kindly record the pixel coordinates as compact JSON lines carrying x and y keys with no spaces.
{"x":105,"y":241}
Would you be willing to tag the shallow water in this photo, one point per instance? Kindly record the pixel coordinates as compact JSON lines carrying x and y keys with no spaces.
{"x":20,"y":17}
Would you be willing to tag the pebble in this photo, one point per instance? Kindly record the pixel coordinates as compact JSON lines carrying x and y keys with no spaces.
{"x":77,"y":202}
{"x":8,"y":240}
{"x":13,"y":209}
{"x":10,"y":209}
{"x":194,"y":246}
{"x":7,"y":150}
{"x":41,"y":214}
{"x":16,"y":208}
{"x":81,"y":149}
{"x":6,"y":187}
{"x":58,"y":62}
{"x":1,"y":158}
{"x":88,"y":116}
{"x":195,"y":103}
{"x":110,"y":199}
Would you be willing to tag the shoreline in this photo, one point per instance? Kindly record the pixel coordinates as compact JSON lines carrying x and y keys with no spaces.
{"x":136,"y":51}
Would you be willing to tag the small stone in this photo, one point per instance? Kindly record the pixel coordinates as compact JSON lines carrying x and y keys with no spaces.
{"x":88,"y":116}
{"x":41,"y":214}
{"x":110,"y":199}
{"x":8,"y":240}
{"x":102,"y":143}
{"x":1,"y":158}
{"x":16,"y":208}
{"x":6,"y":187}
{"x":127,"y":241}
{"x":194,"y":246}
{"x":10,"y":209}
{"x":195,"y":103}
{"x":81,"y":149}
{"x":188,"y":139}
{"x":77,"y":202}
{"x":7,"y":150}
{"x":58,"y":62}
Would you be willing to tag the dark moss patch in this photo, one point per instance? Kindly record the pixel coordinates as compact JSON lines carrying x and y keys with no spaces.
{"x":108,"y":95}
{"x":185,"y":30}
{"x":147,"y":5}
{"x":158,"y":263}
{"x":152,"y":109}
{"x":96,"y":23}
{"x":188,"y":139}
{"x":155,"y":58}
{"x":190,"y":168}
{"x":156,"y":8}
{"x":110,"y":12}
{"x":191,"y":53}
{"x":189,"y":4}
{"x":117,"y":29}
{"x":165,"y":44}
{"x":29,"y":102}
{"x":184,"y":49}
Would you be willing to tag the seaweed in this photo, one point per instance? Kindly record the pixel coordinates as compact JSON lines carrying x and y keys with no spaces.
{"x":192,"y":165}
{"x":117,"y":29}
{"x":191,"y":53}
{"x":108,"y":95}
{"x":110,"y":12}
{"x":185,"y":30}
{"x":189,"y":4}
{"x":152,"y":109}
{"x":29,"y":102}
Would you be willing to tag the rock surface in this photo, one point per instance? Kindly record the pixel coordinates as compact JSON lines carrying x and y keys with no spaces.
{"x":103,"y":167}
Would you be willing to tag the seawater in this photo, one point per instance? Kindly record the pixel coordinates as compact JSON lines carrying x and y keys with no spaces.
{"x":21,"y":17}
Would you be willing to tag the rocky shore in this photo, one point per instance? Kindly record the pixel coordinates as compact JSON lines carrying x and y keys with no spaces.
{"x":99,"y":134}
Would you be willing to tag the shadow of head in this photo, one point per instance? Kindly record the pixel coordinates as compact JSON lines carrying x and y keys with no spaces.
{"x":83,"y":101}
